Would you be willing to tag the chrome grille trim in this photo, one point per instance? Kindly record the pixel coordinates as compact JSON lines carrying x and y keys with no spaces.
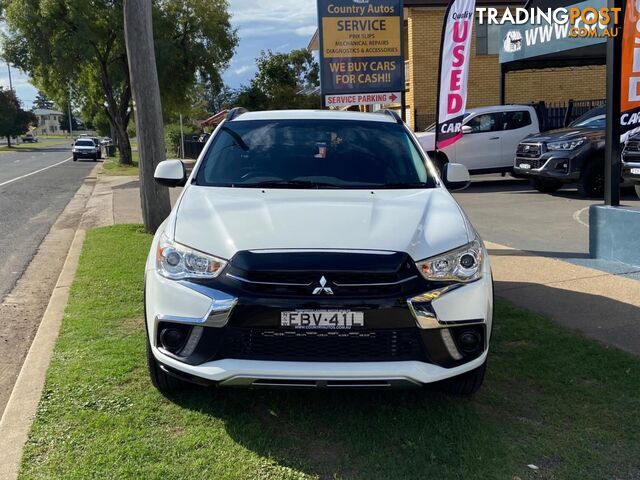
{"x":405,"y":280}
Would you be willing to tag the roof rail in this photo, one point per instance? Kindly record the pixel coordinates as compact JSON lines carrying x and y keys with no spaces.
{"x":235,"y":113}
{"x":391,"y":113}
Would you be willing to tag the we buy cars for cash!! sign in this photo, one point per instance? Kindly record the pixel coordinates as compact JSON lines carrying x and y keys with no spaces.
{"x":361,"y":51}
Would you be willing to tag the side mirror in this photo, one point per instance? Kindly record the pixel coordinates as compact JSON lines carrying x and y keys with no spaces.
{"x":171,"y":173}
{"x":456,"y":176}
{"x":466,"y":129}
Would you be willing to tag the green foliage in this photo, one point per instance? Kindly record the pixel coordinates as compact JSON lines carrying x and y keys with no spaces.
{"x":64,"y":120}
{"x":172,"y":136}
{"x":283,"y":80}
{"x":80,"y":44}
{"x":42,"y":101}
{"x":14,"y":120}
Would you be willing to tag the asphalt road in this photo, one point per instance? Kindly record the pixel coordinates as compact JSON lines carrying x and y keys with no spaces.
{"x":35,"y":186}
{"x":510,"y":212}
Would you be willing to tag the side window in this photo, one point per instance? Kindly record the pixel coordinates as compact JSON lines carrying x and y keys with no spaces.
{"x":516,"y":120}
{"x":488,"y":122}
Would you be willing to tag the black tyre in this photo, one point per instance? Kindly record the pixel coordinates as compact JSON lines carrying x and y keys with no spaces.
{"x":467,"y":383}
{"x":75,"y":159}
{"x":160,"y":379}
{"x":591,"y":183}
{"x":439,"y":161}
{"x":546,"y":185}
{"x":637,"y":187}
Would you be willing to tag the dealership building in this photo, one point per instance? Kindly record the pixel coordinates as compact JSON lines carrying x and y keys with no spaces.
{"x":423,"y":30}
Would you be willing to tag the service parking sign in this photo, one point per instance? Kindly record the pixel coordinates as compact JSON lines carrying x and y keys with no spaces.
{"x":361,"y":50}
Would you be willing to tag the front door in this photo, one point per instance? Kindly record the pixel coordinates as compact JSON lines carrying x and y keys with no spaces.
{"x":481,"y":146}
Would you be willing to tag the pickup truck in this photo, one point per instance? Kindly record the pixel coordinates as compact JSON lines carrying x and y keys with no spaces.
{"x":569,"y":155}
{"x":490,"y":138}
{"x":631,"y":162}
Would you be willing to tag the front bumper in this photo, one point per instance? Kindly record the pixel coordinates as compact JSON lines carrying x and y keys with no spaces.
{"x":561,"y":166}
{"x":631,"y":169}
{"x":421,"y":338}
{"x":85,"y":154}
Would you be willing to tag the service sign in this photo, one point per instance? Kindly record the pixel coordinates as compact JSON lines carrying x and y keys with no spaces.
{"x":361,"y":50}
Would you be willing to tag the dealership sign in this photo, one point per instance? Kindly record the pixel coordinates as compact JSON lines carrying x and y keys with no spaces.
{"x":455,"y":54}
{"x":361,"y":51}
{"x":630,"y":108}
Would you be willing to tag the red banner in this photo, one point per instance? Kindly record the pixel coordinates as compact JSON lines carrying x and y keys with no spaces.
{"x":630,"y":108}
{"x":455,"y":55}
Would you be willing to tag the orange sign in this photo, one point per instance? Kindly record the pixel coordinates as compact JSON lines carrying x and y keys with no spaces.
{"x":630,"y":108}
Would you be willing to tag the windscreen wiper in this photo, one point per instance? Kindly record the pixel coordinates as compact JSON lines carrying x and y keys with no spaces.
{"x":401,"y":185}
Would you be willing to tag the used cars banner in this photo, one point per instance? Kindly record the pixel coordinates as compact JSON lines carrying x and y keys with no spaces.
{"x":455,"y":52}
{"x":630,"y":108}
{"x":361,"y":51}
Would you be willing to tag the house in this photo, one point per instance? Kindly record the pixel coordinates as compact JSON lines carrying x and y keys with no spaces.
{"x":48,"y":121}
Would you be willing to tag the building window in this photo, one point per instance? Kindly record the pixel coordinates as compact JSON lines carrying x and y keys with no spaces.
{"x":487,"y":39}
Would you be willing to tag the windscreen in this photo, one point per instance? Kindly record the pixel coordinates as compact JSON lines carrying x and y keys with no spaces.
{"x":313,"y":154}
{"x":85,"y":143}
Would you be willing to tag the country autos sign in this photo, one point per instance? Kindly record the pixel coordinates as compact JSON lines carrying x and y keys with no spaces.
{"x":361,"y":50}
{"x":455,"y":53}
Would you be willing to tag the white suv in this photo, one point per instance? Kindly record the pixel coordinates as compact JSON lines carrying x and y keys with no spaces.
{"x":319,"y":249}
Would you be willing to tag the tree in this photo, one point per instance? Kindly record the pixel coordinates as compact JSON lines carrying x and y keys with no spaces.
{"x":42,"y":101}
{"x":14,"y":120}
{"x":82,"y":43}
{"x":64,"y":120}
{"x":146,"y":91}
{"x":283,"y":80}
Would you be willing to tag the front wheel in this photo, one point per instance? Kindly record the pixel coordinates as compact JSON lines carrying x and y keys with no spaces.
{"x":546,"y":185}
{"x":466,"y":384}
{"x":75,"y":159}
{"x":591,"y":183}
{"x":637,"y":187}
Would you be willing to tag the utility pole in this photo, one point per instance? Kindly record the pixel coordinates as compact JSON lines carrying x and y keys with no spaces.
{"x":138,"y":30}
{"x":10,"y":82}
{"x":70,"y":122}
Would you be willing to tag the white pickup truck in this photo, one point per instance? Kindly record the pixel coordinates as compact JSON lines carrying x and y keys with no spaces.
{"x":490,"y":138}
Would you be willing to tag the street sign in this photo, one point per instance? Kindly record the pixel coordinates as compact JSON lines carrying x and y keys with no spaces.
{"x":345,"y":100}
{"x":361,"y":50}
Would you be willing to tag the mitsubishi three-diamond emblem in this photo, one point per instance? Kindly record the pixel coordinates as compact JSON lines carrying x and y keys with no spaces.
{"x":323,"y":288}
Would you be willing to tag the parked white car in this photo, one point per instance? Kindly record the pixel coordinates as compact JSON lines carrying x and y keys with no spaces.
{"x":490,"y":138}
{"x":316,"y":249}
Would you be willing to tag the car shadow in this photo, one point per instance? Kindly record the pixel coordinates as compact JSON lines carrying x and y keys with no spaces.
{"x":422,"y":433}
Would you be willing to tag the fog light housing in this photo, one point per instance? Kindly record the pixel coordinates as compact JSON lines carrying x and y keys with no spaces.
{"x":172,"y":339}
{"x":470,"y":341}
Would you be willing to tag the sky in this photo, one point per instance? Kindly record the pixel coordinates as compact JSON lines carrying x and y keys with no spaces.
{"x":277,"y":25}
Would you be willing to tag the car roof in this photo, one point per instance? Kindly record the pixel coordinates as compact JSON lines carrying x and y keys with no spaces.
{"x":498,"y":108}
{"x":315,"y":115}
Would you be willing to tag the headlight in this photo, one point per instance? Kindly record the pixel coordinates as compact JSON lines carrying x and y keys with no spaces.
{"x":461,"y":265}
{"x":568,"y":145}
{"x":176,"y":261}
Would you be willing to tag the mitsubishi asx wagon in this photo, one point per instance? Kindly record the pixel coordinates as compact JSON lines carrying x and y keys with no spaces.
{"x":317,"y":249}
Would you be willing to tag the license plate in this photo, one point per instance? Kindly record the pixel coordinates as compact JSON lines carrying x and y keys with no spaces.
{"x":525,"y":166}
{"x":635,"y":171}
{"x":322,"y":319}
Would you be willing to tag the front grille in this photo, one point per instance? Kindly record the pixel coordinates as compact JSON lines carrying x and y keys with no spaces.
{"x":535,"y":164}
{"x":529,"y":150}
{"x":632,"y":146}
{"x":321,"y":275}
{"x":322,"y":346}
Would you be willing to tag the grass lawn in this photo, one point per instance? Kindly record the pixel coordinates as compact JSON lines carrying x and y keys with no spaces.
{"x":553,"y":399}
{"x":42,"y":143}
{"x":112,"y":167}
